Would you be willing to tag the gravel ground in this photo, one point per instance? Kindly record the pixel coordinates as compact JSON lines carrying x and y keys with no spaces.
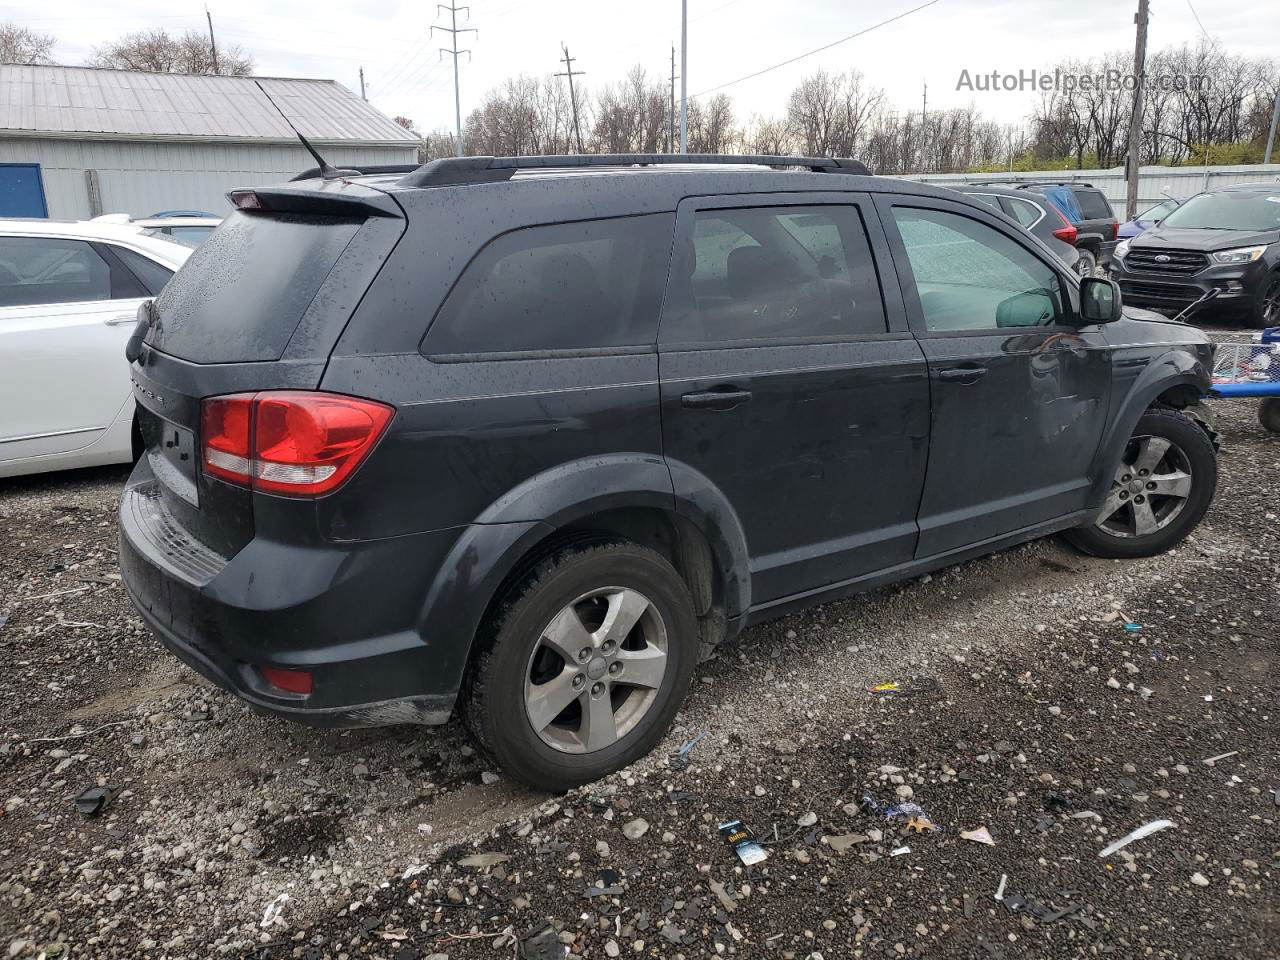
{"x":1024,"y":707}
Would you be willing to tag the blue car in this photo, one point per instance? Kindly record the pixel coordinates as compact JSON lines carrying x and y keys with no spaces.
{"x":1148,"y":218}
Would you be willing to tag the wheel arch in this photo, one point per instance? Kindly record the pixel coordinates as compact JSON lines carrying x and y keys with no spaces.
{"x":622,"y":497}
{"x":1175,"y":379}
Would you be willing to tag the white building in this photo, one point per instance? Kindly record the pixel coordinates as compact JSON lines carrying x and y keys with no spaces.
{"x":76,"y":142}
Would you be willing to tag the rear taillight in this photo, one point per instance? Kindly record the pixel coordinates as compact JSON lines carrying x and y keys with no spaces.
{"x":1067,"y":232}
{"x":291,"y":442}
{"x":1115,"y":230}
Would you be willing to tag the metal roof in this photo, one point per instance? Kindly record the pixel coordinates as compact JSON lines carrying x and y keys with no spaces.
{"x":90,"y":102}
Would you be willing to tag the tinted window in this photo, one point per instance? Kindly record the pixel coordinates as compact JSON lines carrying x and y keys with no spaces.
{"x":990,"y":199}
{"x":243,"y":292}
{"x":566,"y":286}
{"x":774,"y":272}
{"x":36,"y":270}
{"x":191,"y":236}
{"x":1025,"y":212}
{"x":972,"y":277}
{"x":1094,"y":205}
{"x":153,"y":275}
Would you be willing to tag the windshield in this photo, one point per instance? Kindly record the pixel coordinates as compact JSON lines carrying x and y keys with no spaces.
{"x":1228,"y":211}
{"x":1159,"y":211}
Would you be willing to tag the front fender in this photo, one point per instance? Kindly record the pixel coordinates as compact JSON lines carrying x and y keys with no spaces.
{"x":1174,"y":368}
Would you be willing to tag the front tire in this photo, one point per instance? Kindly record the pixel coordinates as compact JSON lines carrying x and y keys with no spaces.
{"x":1266,"y":306}
{"x":1160,"y":491}
{"x":582,"y":668}
{"x":1269,"y":414}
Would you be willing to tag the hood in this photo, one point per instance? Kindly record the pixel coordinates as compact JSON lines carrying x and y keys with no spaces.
{"x":1203,"y":240}
{"x":1131,"y":229}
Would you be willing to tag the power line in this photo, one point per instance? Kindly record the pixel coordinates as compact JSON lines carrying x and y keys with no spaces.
{"x":825,"y":46}
{"x":1202,"y":29}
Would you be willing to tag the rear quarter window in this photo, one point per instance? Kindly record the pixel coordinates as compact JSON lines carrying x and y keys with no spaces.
{"x":568,"y":286}
{"x":1094,"y":205}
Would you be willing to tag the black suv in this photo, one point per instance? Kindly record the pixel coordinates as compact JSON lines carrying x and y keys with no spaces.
{"x":1227,"y":240}
{"x":529,"y":436}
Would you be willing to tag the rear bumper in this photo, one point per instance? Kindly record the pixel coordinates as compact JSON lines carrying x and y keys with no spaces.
{"x":346,"y":612}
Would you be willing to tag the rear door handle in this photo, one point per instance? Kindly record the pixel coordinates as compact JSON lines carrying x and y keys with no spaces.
{"x":717,"y":398}
{"x":121,"y":318}
{"x":968,"y":373}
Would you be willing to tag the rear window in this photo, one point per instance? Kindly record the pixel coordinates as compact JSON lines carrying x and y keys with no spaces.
{"x":243,"y":292}
{"x":566,"y":286}
{"x":1094,"y":205}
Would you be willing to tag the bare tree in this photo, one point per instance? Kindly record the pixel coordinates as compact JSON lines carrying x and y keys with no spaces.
{"x":23,"y":45}
{"x":156,"y":51}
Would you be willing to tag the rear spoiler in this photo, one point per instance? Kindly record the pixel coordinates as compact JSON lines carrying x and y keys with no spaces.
{"x":333,"y":197}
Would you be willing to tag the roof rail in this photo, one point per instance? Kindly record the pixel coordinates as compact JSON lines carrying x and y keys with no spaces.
{"x":450,"y":171}
{"x":364,"y":169}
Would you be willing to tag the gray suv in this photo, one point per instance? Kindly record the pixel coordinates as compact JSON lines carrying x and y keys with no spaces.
{"x":527,"y":437}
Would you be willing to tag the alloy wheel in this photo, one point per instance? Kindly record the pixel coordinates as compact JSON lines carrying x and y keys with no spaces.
{"x":1150,"y":488}
{"x":596,"y":670}
{"x":1271,"y":304}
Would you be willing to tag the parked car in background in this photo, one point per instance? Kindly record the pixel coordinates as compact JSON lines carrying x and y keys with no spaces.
{"x":191,"y":228}
{"x":1035,"y":214}
{"x":1148,"y":218}
{"x":69,"y":296}
{"x":573,"y":421}
{"x":1088,"y":210}
{"x":1227,"y":239}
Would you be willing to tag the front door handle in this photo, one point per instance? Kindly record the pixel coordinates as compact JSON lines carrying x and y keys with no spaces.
{"x":121,"y":318}
{"x":968,"y":373}
{"x":717,"y":398}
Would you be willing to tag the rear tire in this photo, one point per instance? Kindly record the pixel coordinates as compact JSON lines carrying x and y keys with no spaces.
{"x":583,"y":666}
{"x":1087,"y":265}
{"x":1160,"y":490}
{"x":1269,"y":414}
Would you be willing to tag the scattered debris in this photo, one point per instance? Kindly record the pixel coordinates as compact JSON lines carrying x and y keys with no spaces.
{"x":1004,"y":878}
{"x":274,"y":909}
{"x":680,"y":759}
{"x":920,"y":824}
{"x":635,"y":829}
{"x":726,"y":899}
{"x":980,"y":835}
{"x":904,"y":810}
{"x":1222,"y":756}
{"x":483,"y":860}
{"x":915,"y":687}
{"x":844,"y":841}
{"x":739,"y":836}
{"x":542,"y":943}
{"x":1132,"y":627}
{"x":899,"y":851}
{"x":94,"y":800}
{"x":1143,"y":831}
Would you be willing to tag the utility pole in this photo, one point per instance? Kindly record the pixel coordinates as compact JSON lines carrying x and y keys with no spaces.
{"x":1135,"y":113}
{"x":684,"y":76}
{"x":213,"y":46}
{"x":671,"y":115}
{"x":571,"y":73}
{"x":362,"y":93}
{"x":924,"y":129}
{"x":453,"y":30}
{"x":1271,"y":136}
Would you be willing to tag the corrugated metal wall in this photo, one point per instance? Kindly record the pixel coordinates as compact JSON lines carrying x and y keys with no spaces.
{"x":141,"y":178}
{"x":1181,"y":182}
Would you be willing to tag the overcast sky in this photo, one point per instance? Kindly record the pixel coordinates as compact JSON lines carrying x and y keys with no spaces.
{"x":728,"y":39}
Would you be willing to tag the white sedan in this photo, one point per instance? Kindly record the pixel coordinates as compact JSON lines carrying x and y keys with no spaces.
{"x":69,"y":297}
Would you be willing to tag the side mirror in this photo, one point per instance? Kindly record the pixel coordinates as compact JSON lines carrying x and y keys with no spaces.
{"x":1100,"y":300}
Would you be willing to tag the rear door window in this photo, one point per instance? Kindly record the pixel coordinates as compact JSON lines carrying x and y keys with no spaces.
{"x":775,"y":272}
{"x":152,"y":275}
{"x":243,"y":292}
{"x":1025,"y":212}
{"x":587,"y":285}
{"x":48,"y":270}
